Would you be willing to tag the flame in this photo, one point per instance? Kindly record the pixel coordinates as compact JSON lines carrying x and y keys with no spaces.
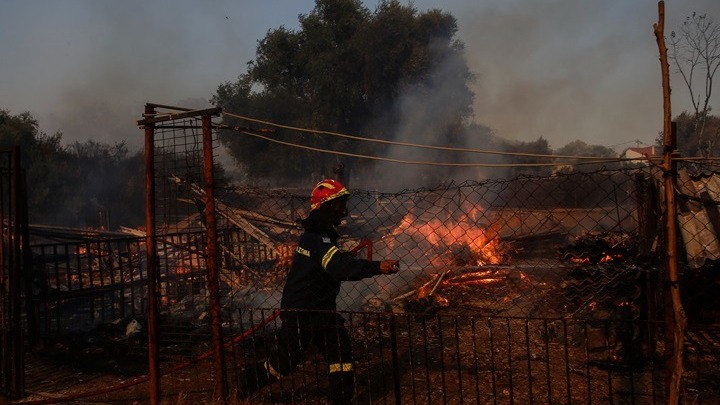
{"x":423,"y":291}
{"x":605,"y":259}
{"x":459,"y":241}
{"x":286,"y":251}
{"x":475,"y":282}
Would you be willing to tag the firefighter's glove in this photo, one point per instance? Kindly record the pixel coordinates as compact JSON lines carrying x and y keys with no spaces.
{"x":389,"y":266}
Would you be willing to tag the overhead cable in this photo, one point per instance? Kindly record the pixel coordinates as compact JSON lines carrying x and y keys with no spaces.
{"x":414,"y":145}
{"x":414,"y":162}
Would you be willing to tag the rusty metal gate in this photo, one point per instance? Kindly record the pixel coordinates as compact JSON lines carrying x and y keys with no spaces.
{"x":13,"y":228}
{"x":179,"y":157}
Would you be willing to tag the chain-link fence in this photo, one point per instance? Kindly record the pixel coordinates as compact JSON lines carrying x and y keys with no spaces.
{"x":558,"y":246}
{"x":516,"y":260}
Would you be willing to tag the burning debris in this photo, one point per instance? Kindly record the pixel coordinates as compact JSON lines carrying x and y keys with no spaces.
{"x":604,"y":247}
{"x":447,"y":240}
{"x":424,"y":298}
{"x":450,"y":250}
{"x":480,"y":288}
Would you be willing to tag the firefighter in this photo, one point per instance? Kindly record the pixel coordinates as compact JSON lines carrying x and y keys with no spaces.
{"x":308,"y":301}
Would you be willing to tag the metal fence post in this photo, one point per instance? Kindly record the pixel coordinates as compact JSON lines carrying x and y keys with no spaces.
{"x":395,"y":359}
{"x":220,"y":389}
{"x":16,"y":372}
{"x":152,"y":260}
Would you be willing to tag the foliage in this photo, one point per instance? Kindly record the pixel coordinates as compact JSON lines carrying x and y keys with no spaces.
{"x":390,"y":73}
{"x":695,"y":52}
{"x":85,"y":184}
{"x":539,"y":146}
{"x":688,"y":136}
{"x":111,"y":192}
{"x":43,"y":158}
{"x":580,"y":148}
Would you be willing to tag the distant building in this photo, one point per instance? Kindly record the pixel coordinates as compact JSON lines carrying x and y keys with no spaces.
{"x":640,"y":153}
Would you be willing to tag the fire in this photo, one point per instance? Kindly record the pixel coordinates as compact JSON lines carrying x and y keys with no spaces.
{"x":423,"y":291}
{"x":286,"y":251}
{"x":605,"y":259}
{"x":459,"y":241}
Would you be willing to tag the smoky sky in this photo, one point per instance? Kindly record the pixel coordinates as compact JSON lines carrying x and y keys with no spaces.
{"x":560,"y":69}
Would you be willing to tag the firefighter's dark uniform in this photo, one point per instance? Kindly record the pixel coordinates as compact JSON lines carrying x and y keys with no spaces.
{"x":308,"y":302}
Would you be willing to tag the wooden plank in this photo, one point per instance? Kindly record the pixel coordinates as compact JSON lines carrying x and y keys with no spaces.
{"x":236,"y":219}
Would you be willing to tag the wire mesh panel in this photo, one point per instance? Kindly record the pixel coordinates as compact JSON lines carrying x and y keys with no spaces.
{"x":79,"y":286}
{"x":461,"y":359}
{"x":181,"y":231}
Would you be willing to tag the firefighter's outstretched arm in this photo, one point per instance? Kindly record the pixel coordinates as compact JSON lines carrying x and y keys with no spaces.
{"x":389,"y":266}
{"x":344,"y":266}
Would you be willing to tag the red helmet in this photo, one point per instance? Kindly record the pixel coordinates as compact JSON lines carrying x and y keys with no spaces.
{"x":326,"y":190}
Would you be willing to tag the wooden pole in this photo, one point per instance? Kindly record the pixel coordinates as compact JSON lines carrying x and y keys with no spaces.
{"x":677,"y":321}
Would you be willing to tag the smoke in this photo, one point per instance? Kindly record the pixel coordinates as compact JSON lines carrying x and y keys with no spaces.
{"x":431,"y":113}
{"x":133,"y":60}
{"x":113,"y":57}
{"x":553,"y":69}
{"x":560,"y":69}
{"x":568,"y":70}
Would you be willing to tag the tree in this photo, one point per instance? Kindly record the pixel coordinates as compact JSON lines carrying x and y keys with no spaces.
{"x":44,"y":160}
{"x":695,"y":50}
{"x":539,"y":146}
{"x":688,"y":135}
{"x":580,"y":148}
{"x":353,"y":71}
{"x":111,"y":192}
{"x":86,"y":184}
